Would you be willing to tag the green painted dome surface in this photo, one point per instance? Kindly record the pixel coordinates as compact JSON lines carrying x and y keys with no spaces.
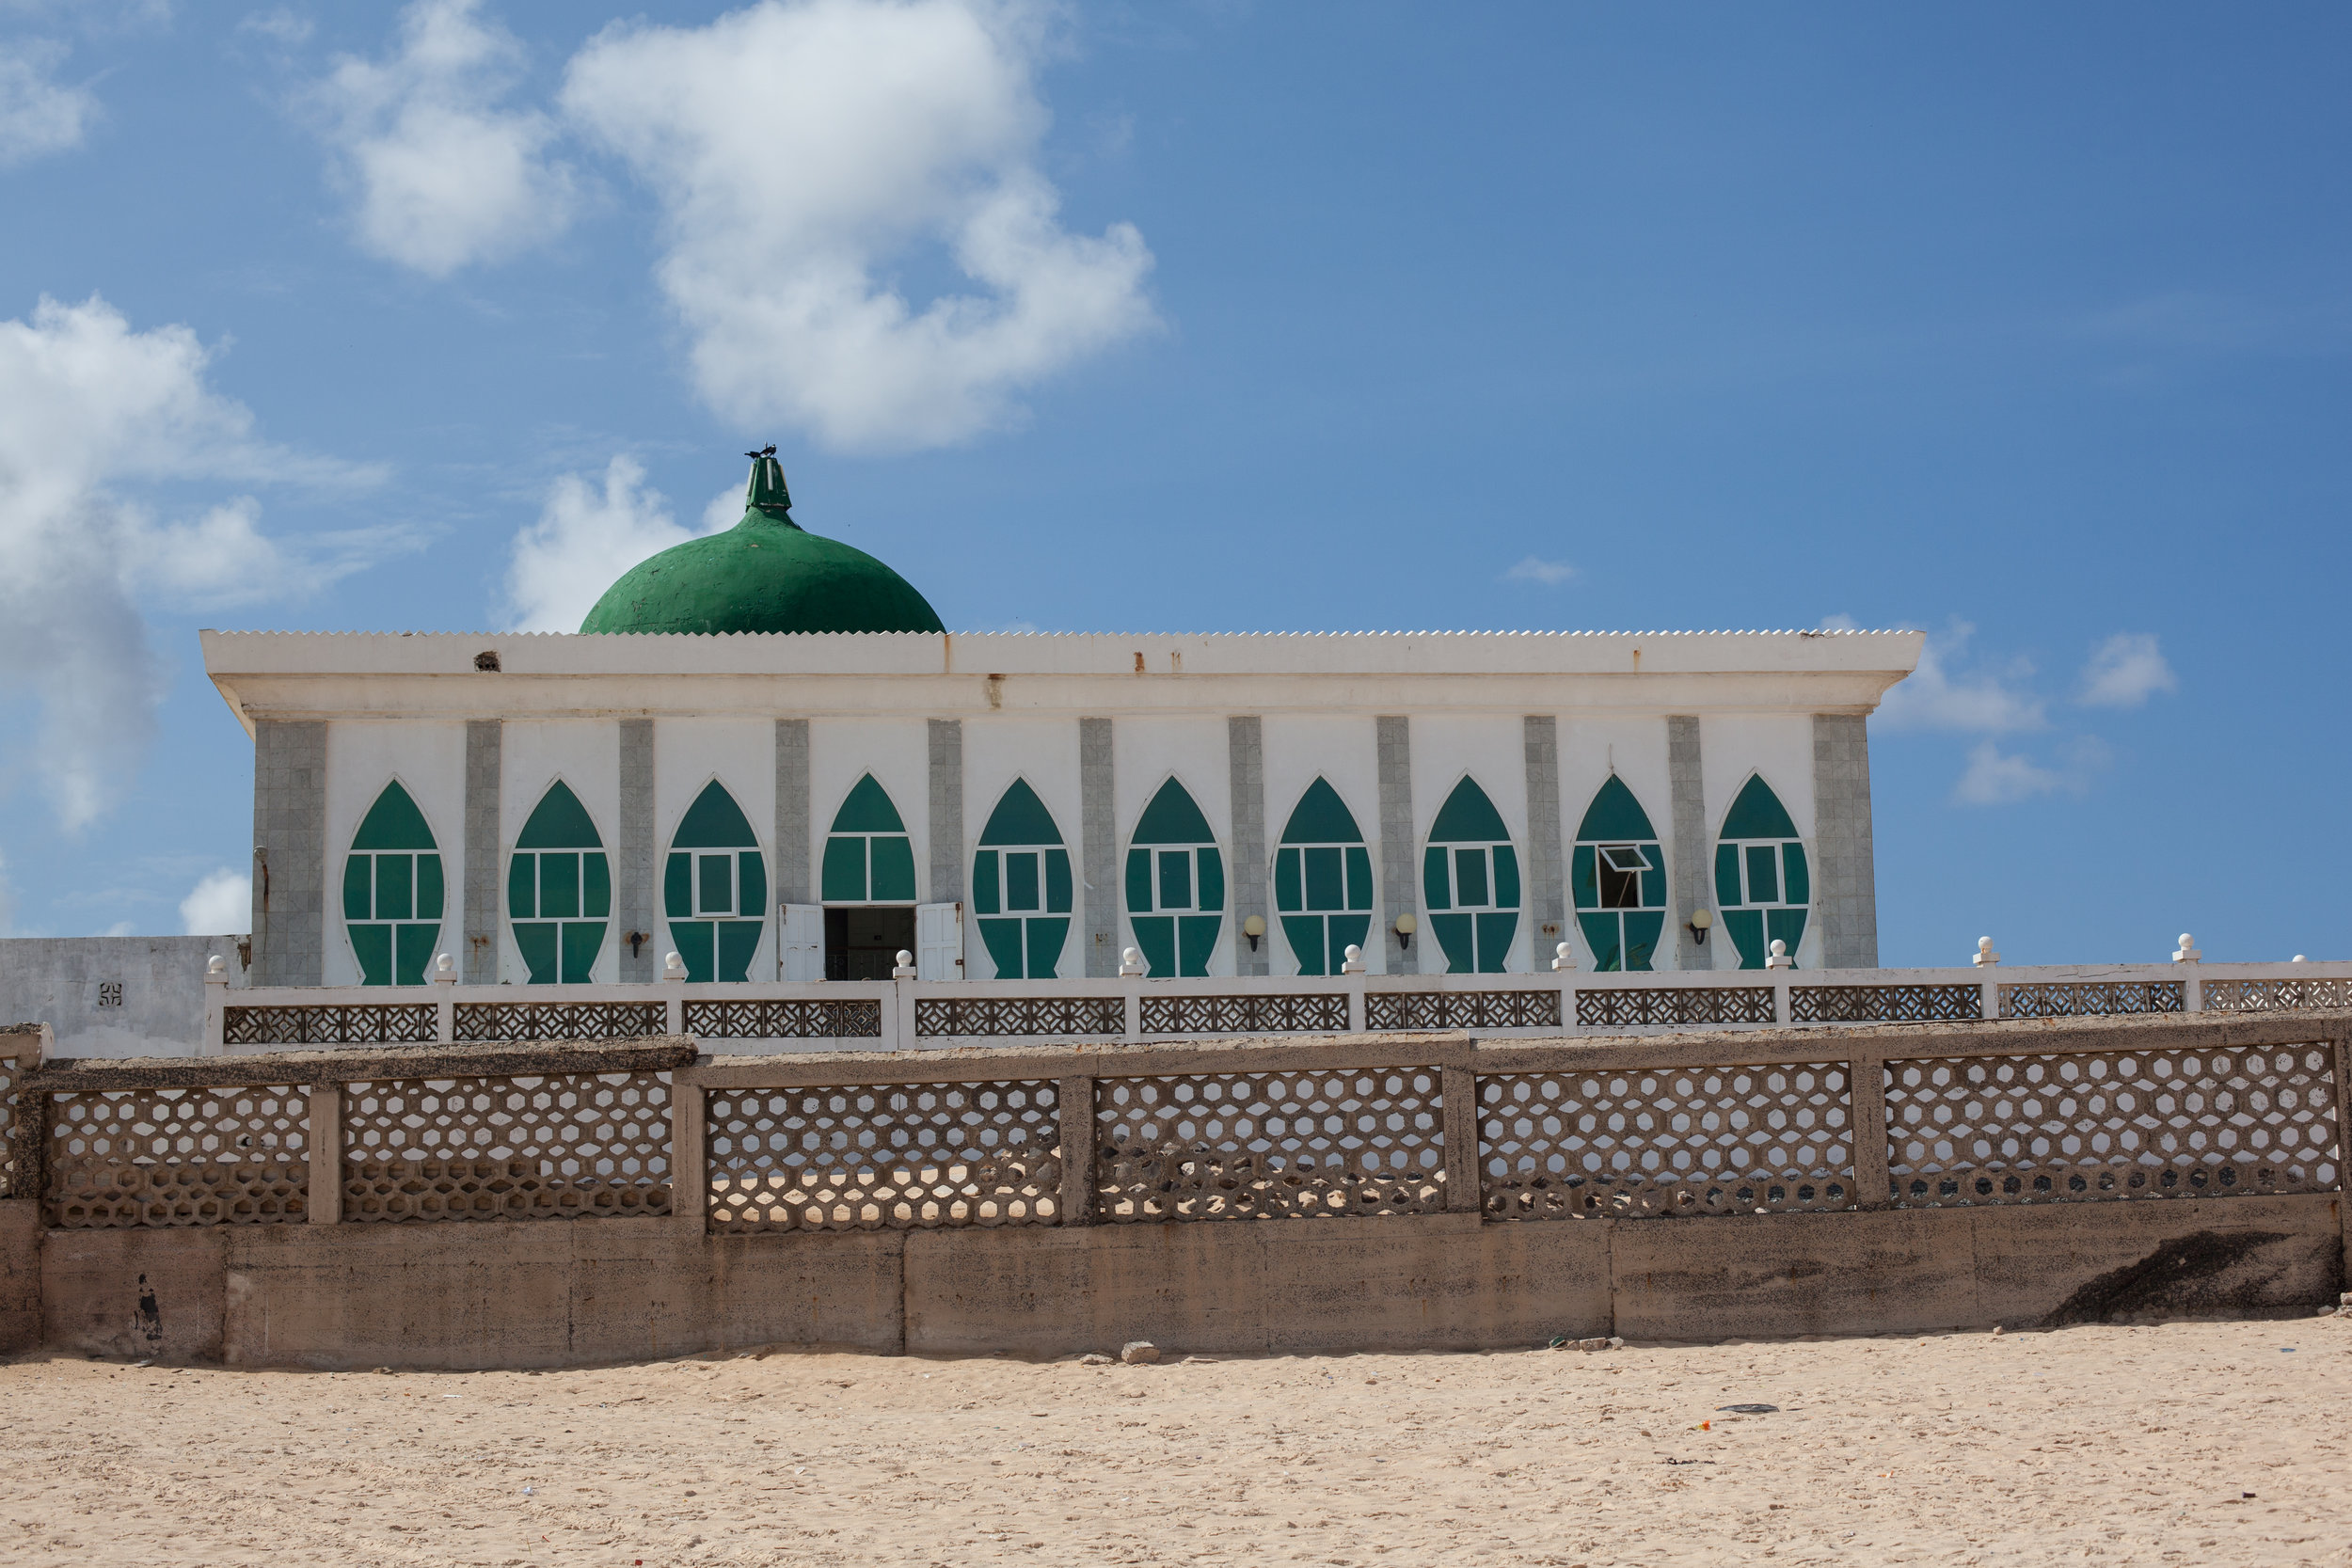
{"x":765,"y":574}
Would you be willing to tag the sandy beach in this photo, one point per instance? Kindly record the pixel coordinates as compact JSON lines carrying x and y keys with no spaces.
{"x":2193,"y":1443}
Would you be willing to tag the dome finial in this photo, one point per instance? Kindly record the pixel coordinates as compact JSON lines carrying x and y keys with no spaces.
{"x":767,"y":492}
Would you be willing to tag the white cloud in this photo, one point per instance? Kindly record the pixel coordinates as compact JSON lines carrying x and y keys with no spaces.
{"x":2126,"y":670}
{"x":1931,"y":697}
{"x":560,"y":567}
{"x":805,"y":152}
{"x":1996,"y":778}
{"x":1840,"y":622}
{"x":37,"y":115}
{"x":220,"y":905}
{"x":443,"y":175}
{"x":1551,"y":574}
{"x":87,"y":405}
{"x":282,"y":26}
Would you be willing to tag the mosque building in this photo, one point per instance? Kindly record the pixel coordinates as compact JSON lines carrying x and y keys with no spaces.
{"x":764,"y":753}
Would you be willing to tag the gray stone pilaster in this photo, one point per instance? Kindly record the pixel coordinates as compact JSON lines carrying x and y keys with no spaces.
{"x":1394,"y":742}
{"x":485,"y":749}
{"x":1245,"y":749}
{"x":1098,"y":838}
{"x":1844,"y":880}
{"x":633,"y":858}
{"x":1547,"y":876}
{"x":793,"y":883}
{"x":288,"y":852}
{"x":1692,"y":865}
{"x":946,"y":811}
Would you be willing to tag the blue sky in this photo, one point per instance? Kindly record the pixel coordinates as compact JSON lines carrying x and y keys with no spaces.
{"x":2026,"y":325}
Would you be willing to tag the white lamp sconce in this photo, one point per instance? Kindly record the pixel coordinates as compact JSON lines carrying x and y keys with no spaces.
{"x":1253,"y":928}
{"x":1702,"y":922}
{"x":1986,"y":958}
{"x":1406,"y":924}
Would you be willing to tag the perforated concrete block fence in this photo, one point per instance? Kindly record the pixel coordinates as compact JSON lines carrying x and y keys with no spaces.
{"x":178,"y":1156}
{"x":2270,"y":996}
{"x":355,"y":1024}
{"x":489,"y":1021}
{"x":554,"y":1147}
{"x":15,"y":1057}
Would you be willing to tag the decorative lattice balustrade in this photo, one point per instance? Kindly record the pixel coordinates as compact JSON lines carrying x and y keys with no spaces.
{"x":2038,"y":1129}
{"x":891,"y":1156}
{"x":1270,"y":1145}
{"x":2091,"y":998}
{"x":490,"y":1022}
{"x":1004,"y":1016}
{"x":1312,"y":1013}
{"x":785,"y":1021}
{"x":1638,"y":1006}
{"x":553,"y":1147}
{"x":1462,"y":1009}
{"x":353,"y":1023}
{"x":2271,"y":997}
{"x":1655,"y":1142}
{"x":1884,"y":1004}
{"x":170,"y":1157}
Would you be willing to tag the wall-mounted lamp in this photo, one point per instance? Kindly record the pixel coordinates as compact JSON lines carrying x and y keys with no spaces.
{"x":1406,"y":925}
{"x":1702,"y":922}
{"x":1253,"y":928}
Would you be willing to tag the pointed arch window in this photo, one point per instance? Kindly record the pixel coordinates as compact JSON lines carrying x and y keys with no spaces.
{"x":1617,"y":873}
{"x":1763,"y":885}
{"x":1020,"y":887}
{"x":1323,"y":881}
{"x":714,"y":888}
{"x":868,"y":857}
{"x":1470,"y":882}
{"x":1175,"y":885}
{"x":559,"y":891}
{"x":392,"y":892}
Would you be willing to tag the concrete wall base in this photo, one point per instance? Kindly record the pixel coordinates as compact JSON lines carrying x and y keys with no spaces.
{"x":556,"y":1294}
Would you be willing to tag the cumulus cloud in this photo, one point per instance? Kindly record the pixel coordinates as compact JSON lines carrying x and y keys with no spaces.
{"x":39,"y":115}
{"x":560,"y":567}
{"x":220,"y":905}
{"x":2126,"y":670}
{"x":88,"y":406}
{"x":805,"y":153}
{"x":443,"y":175}
{"x":1997,"y":777}
{"x":1551,"y":574}
{"x":1986,"y":700}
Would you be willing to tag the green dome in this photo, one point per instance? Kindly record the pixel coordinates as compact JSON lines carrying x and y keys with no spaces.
{"x":765,"y":574}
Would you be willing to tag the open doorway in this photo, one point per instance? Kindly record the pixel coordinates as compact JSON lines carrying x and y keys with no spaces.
{"x":864,"y":943}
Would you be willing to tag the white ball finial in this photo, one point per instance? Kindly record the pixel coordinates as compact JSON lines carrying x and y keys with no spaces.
{"x":217,"y":965}
{"x":1779,"y":957}
{"x":906,"y":966}
{"x":2187,"y":953}
{"x":1563,"y":959}
{"x":1986,"y":958}
{"x":673,"y":966}
{"x":1354,"y":962}
{"x":1129,"y":962}
{"x":2187,"y":940}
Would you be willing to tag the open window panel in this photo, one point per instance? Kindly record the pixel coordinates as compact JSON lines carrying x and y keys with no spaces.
{"x":1621,"y":867}
{"x":864,"y":944}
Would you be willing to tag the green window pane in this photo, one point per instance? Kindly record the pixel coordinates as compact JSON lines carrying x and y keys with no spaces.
{"x":1727,"y":876}
{"x":1614,"y":814}
{"x":395,"y":823}
{"x":372,"y":946}
{"x":714,"y":821}
{"x":1467,"y":817}
{"x":1756,"y":813}
{"x":1584,"y":877}
{"x":358,"y":887}
{"x":696,"y":941}
{"x":1506,"y":877}
{"x":715,"y":883}
{"x":1763,"y":874}
{"x":395,"y":887}
{"x":1347,"y":930}
{"x":1155,"y":938}
{"x":412,"y":951}
{"x":868,"y":811}
{"x":1605,"y":936}
{"x":1288,"y":893}
{"x":559,"y":885}
{"x":1321,"y":817}
{"x":1003,"y":940}
{"x":1456,"y":940}
{"x":1358,"y":880}
{"x":1175,"y":878}
{"x":739,"y":943}
{"x":1211,"y":880}
{"x":1305,"y":933}
{"x":1437,"y":888}
{"x":1139,"y":883}
{"x":986,"y":898}
{"x":1024,"y":889}
{"x":893,"y":870}
{"x":1195,"y":937}
{"x":1654,"y":879}
{"x":1172,"y":817}
{"x":1642,"y":929}
{"x":844,"y":877}
{"x":522,"y":887}
{"x":677,"y":887}
{"x":1020,"y":818}
{"x":582,"y":939}
{"x":1785,"y":925}
{"x":595,"y":885}
{"x":428,"y":887}
{"x":1746,"y":929}
{"x":559,"y":821}
{"x":1057,"y":888}
{"x":536,"y":941}
{"x":1495,"y":935}
{"x":1470,"y":877}
{"x":753,"y":873}
{"x":1045,"y":944}
{"x":1325,"y":887}
{"x":1799,"y":876}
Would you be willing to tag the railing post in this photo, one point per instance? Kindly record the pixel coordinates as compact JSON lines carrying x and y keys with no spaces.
{"x":1563,"y":965}
{"x":327,"y":1153}
{"x":1352,"y":977}
{"x":674,"y":995}
{"x":2192,"y":988}
{"x":216,"y":1042}
{"x":903,"y":998}
{"x":1458,"y":1087}
{"x":1781,"y":1013}
{"x":1988,"y":1000}
{"x":1076,"y":1203}
{"x":689,"y":1168}
{"x":1866,"y":1096}
{"x":445,"y":1000}
{"x":1131,"y":990}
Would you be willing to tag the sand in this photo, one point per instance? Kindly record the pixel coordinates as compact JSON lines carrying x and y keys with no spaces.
{"x":2192,"y":1443}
